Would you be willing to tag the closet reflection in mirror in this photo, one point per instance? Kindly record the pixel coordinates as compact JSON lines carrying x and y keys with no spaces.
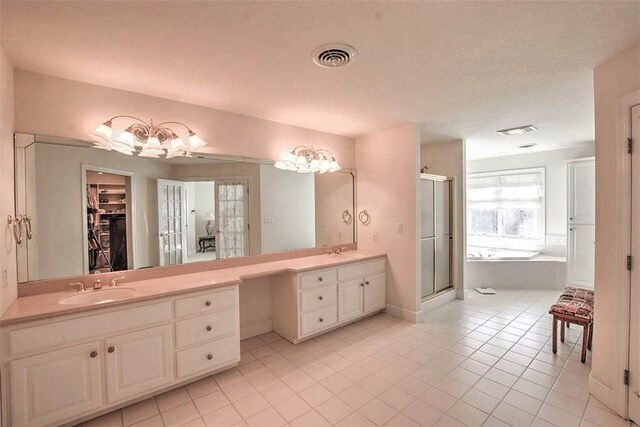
{"x":98,"y":211}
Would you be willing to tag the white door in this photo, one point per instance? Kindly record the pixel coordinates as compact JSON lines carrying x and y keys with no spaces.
{"x":138,"y":362}
{"x":582,"y":192}
{"x":634,"y":331}
{"x":232,"y":217}
{"x":350,"y":299}
{"x":374,"y":292}
{"x":50,"y":388}
{"x":171,"y":222}
{"x":581,"y":255}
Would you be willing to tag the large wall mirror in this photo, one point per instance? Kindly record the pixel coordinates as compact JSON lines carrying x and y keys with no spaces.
{"x":94,"y":211}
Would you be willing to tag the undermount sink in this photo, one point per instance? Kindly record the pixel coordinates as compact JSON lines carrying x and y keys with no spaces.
{"x":97,"y":297}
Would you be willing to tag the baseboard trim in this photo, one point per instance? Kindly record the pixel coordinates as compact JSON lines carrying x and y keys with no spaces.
{"x":254,"y":329}
{"x":438,"y":300}
{"x":402,"y":313}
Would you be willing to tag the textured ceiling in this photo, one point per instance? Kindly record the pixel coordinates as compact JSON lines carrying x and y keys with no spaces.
{"x":460,"y":69}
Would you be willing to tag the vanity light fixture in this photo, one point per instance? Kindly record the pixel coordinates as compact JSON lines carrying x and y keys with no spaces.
{"x":305,"y":159}
{"x":150,"y":139}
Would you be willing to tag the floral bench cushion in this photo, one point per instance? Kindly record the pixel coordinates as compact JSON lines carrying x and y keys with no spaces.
{"x":576,"y":307}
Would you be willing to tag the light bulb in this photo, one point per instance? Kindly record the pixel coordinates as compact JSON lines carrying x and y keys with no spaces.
{"x":314,"y":166}
{"x":103,"y":132}
{"x":125,"y":139}
{"x":195,"y":141}
{"x":335,"y":166}
{"x":301,"y":161}
{"x":152,"y":148}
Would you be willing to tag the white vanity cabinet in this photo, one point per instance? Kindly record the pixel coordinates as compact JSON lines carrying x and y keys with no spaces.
{"x":310,"y":303}
{"x":62,"y":370}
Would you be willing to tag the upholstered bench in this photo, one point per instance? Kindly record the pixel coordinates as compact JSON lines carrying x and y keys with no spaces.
{"x":575,"y":305}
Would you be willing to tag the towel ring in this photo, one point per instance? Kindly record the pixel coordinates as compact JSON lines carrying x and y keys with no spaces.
{"x":347,"y":217}
{"x":15,"y":224}
{"x":364,"y":217}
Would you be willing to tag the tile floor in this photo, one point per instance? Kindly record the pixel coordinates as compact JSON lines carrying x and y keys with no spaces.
{"x":485,"y":361}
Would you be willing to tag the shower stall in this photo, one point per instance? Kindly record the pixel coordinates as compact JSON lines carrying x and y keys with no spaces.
{"x":436,"y":238}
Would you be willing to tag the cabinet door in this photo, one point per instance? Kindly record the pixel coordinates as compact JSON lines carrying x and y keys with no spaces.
{"x":350,"y":299}
{"x":53,"y":387}
{"x":582,"y":192}
{"x":138,"y":362}
{"x":581,"y":255}
{"x":375,"y":292}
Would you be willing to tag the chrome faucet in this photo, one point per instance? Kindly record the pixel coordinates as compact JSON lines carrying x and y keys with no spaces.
{"x":340,"y":250}
{"x":97,"y":284}
{"x":114,"y":281}
{"x":80,"y":286}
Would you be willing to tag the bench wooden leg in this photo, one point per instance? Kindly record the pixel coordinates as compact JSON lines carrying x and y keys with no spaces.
{"x":554,"y":338}
{"x":590,"y":337}
{"x":585,"y":342}
{"x":562,"y":323}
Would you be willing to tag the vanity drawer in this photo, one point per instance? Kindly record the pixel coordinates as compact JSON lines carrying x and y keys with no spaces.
{"x":319,"y":297}
{"x":65,"y":332}
{"x":204,"y":328}
{"x":206,"y":303}
{"x":318,"y":278}
{"x":318,"y":320}
{"x":360,"y":269}
{"x":208,"y":356}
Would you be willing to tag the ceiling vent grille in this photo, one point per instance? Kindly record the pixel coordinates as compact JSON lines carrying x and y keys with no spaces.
{"x":333,"y":55}
{"x":518,"y":131}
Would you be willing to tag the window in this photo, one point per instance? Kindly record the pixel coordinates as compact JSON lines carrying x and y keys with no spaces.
{"x":505,"y":209}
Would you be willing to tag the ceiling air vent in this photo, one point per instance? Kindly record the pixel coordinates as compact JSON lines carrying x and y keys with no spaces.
{"x":333,"y":55}
{"x":518,"y":131}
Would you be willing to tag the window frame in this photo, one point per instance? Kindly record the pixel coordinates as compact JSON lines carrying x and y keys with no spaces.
{"x":543,"y":207}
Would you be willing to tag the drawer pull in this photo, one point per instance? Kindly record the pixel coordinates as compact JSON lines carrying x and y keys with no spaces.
{"x":366,"y":283}
{"x":320,"y":279}
{"x":208,"y":303}
{"x":111,"y":349}
{"x":93,"y":354}
{"x":321,"y":320}
{"x":320,"y":297}
{"x":209,"y":356}
{"x":209,"y":328}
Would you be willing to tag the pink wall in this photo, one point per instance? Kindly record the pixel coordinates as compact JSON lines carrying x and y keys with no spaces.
{"x":8,"y":287}
{"x":53,"y":106}
{"x":387,"y":177}
{"x":613,"y":79}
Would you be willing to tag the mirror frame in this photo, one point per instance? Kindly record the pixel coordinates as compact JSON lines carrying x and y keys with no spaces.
{"x":23,"y":140}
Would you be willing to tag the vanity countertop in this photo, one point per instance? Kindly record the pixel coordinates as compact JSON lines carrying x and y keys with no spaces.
{"x":46,"y":305}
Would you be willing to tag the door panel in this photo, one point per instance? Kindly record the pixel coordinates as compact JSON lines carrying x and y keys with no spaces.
{"x":375,"y":292}
{"x":138,"y":362}
{"x":442,"y":192}
{"x":427,"y":207}
{"x":582,"y":192}
{"x":56,"y":386}
{"x":443,"y":273}
{"x":634,"y":331}
{"x":350,"y":299}
{"x":171,"y":222}
{"x":581,"y":255}
{"x":427,"y":265}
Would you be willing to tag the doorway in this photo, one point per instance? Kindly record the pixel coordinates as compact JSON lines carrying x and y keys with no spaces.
{"x":108,"y":217}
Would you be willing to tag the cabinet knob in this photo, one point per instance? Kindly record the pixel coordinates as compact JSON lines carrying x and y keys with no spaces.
{"x":209,"y":328}
{"x":209,"y":356}
{"x":366,"y":283}
{"x":207,"y":303}
{"x":93,"y":354}
{"x":362,"y":284}
{"x":111,"y":349}
{"x":321,"y":320}
{"x":320,"y":297}
{"x":319,"y":279}
{"x":571,"y":219}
